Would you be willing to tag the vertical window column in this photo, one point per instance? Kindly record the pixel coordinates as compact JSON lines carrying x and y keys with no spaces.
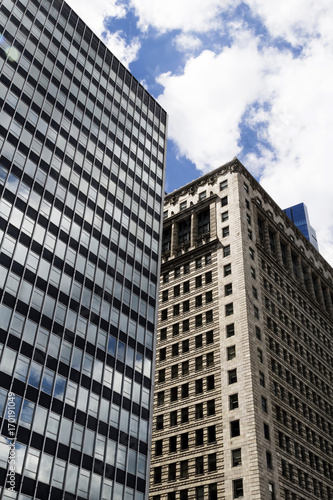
{"x":309,"y":282}
{"x":319,"y":289}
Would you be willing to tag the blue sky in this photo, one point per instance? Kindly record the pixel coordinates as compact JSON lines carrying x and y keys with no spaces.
{"x":251,"y":79}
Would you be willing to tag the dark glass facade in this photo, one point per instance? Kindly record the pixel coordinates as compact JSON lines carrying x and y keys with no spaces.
{"x":299,"y":215}
{"x":82,"y":155}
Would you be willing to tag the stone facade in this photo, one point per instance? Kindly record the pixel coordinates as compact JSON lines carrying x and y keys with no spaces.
{"x":244,"y":384}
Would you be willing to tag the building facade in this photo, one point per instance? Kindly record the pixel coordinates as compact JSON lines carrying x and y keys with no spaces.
{"x":244,"y":383}
{"x":82,"y":154}
{"x":299,"y":215}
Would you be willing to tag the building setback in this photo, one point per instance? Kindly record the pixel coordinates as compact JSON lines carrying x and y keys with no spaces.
{"x":244,"y":384}
{"x":82,"y":154}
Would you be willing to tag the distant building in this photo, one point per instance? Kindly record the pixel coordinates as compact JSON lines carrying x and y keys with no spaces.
{"x":244,"y":380}
{"x":299,"y":215}
{"x":82,"y":157}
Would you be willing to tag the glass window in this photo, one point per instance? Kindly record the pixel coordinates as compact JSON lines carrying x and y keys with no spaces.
{"x":236,"y":457}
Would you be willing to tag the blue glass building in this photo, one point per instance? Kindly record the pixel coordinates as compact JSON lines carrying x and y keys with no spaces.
{"x":299,"y":215}
{"x":82,"y":157}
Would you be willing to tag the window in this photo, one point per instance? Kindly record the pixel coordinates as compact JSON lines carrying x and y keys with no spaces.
{"x":225,"y":232}
{"x":226,"y":251}
{"x":230,"y":330}
{"x":163,"y":333}
{"x":209,"y":296}
{"x":173,"y":444}
{"x":208,"y":259}
{"x":199,"y":386}
{"x":199,"y":493}
{"x":182,"y":205}
{"x":210,"y":359}
{"x":184,"y":415}
{"x":199,"y":410}
{"x":248,"y":218}
{"x":209,"y":316}
{"x":165,"y":294}
{"x":184,"y":441}
{"x":199,"y":437}
{"x":159,"y":422}
{"x":223,"y":185}
{"x":264,"y":404}
{"x":238,"y":488}
{"x":256,"y":312}
{"x":159,"y":447}
{"x":160,"y":398}
{"x":225,"y":216}
{"x":184,"y":469}
{"x":161,"y":375}
{"x":251,"y":253}
{"x":211,"y":434}
{"x":232,"y":376}
{"x":174,"y":393}
{"x":211,"y":407}
{"x":185,"y":368}
{"x":164,"y":314}
{"x":198,"y":363}
{"x":228,"y":289}
{"x":173,"y":418}
{"x":258,"y":333}
{"x":198,"y":263}
{"x":176,"y":291}
{"x":184,"y":231}
{"x":198,"y":281}
{"x":199,"y":465}
{"x":211,"y":462}
{"x":186,"y":286}
{"x":212,"y":491}
{"x":202,"y":195}
{"x":208,"y":277}
{"x":176,"y":310}
{"x":186,"y":268}
{"x":198,"y":341}
{"x":271,"y":491}
{"x":198,"y":301}
{"x":231,"y":352}
{"x":234,"y":428}
{"x":175,"y":329}
{"x":236,"y":457}
{"x":186,"y":325}
{"x":224,"y":201}
{"x":210,"y":383}
{"x":253,"y":273}
{"x":204,"y":222}
{"x":227,"y":270}
{"x":185,"y":345}
{"x":165,"y":277}
{"x":266,"y":431}
{"x":175,"y":349}
{"x":233,"y":401}
{"x":262,"y":379}
{"x":163,"y":354}
{"x":186,"y":306}
{"x":246,"y":188}
{"x":229,"y":309}
{"x":185,"y":390}
{"x":174,"y":371}
{"x":157,"y":475}
{"x":183,"y":495}
{"x":260,"y":355}
{"x":198,"y":320}
{"x":254,"y":292}
{"x":172,"y":472}
{"x":209,"y":337}
{"x":177,"y":272}
{"x":269,"y":461}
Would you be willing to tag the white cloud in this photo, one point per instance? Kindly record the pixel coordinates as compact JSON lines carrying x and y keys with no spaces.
{"x":186,"y":15}
{"x":187,"y":43}
{"x":95,"y":15}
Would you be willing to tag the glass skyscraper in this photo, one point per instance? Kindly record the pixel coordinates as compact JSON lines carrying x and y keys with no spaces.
{"x":82,"y":156}
{"x":299,"y":215}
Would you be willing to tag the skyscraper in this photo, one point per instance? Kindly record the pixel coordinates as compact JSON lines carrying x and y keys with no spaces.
{"x":299,"y":215}
{"x":82,"y":152}
{"x":244,"y":380}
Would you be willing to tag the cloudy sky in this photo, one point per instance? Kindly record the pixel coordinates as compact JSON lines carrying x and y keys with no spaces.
{"x":251,"y":79}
